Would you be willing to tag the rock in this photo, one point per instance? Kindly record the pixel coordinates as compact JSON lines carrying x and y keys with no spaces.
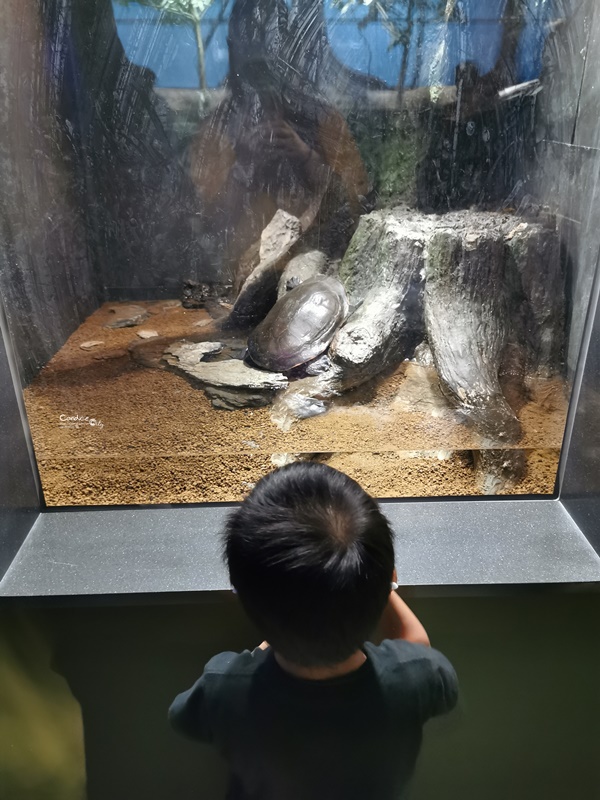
{"x":147,"y":334}
{"x":90,"y":345}
{"x":188,"y":354}
{"x":234,"y":374}
{"x":300,"y":268}
{"x":229,"y":384}
{"x":259,"y":291}
{"x":202,"y":323}
{"x":300,"y":326}
{"x":280,"y":234}
{"x":127,"y":316}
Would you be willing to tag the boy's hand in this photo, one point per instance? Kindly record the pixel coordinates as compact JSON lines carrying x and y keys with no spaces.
{"x":399,"y":622}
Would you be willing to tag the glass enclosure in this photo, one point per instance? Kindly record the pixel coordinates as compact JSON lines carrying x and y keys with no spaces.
{"x":238,"y":234}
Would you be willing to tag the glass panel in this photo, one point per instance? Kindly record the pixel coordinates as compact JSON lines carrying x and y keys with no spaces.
{"x":243,"y":233}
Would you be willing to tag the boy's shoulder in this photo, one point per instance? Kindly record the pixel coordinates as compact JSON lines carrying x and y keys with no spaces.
{"x":234,"y":664}
{"x":400,"y":656}
{"x":400,"y":651}
{"x":415,"y":672}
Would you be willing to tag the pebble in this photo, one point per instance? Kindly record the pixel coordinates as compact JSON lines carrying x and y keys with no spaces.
{"x":147,"y":334}
{"x":90,"y":345}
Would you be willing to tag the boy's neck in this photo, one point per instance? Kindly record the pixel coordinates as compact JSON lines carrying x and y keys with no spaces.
{"x":351,"y":664}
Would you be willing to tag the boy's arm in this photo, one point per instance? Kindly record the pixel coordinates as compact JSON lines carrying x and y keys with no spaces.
{"x":399,"y":622}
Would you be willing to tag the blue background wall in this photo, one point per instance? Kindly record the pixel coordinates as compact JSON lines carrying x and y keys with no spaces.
{"x":170,"y":49}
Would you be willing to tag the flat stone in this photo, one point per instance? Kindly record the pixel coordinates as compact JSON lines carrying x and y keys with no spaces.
{"x":186,"y":355}
{"x":234,"y":374}
{"x":229,"y":384}
{"x":90,"y":345}
{"x":147,"y":334}
{"x":127,"y":316}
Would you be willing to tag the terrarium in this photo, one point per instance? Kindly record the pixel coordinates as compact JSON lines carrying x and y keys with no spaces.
{"x":245,"y":233}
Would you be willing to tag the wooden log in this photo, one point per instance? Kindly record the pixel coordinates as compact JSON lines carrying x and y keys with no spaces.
{"x":382,"y":273}
{"x":466,"y":304}
{"x":499,"y":470}
{"x":538,"y":302}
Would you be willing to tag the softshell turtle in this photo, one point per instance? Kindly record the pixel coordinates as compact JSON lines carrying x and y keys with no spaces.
{"x":300,"y":326}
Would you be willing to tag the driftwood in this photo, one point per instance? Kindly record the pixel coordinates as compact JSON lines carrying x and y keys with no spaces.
{"x":382,"y":272}
{"x":466,"y":303}
{"x":533,"y":255}
{"x":494,"y":294}
{"x":499,"y":470}
{"x":300,"y":268}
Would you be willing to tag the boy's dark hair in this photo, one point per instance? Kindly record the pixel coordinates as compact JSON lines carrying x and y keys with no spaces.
{"x":311,"y":557}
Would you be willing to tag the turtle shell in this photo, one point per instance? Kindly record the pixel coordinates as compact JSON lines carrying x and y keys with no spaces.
{"x":300,"y":326}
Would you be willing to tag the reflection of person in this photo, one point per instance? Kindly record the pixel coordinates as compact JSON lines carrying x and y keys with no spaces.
{"x":273,"y":143}
{"x":316,"y":713}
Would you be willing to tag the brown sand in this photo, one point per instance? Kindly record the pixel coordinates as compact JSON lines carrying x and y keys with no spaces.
{"x":157,"y":439}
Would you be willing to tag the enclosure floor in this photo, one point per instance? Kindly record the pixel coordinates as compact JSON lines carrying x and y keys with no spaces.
{"x":159,"y":440}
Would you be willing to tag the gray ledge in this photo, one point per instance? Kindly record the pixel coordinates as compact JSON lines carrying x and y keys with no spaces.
{"x":440,"y":546}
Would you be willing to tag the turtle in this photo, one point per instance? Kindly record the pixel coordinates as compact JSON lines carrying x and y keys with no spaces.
{"x":300,"y":326}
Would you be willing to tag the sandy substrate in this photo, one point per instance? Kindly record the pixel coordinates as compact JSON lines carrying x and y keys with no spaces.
{"x":111,"y":428}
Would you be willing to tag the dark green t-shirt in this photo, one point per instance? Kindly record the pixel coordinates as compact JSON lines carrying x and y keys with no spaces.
{"x":356,"y":737}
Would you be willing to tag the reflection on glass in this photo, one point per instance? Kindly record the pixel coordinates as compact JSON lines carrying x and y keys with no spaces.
{"x":40,"y":724}
{"x":308,"y":234}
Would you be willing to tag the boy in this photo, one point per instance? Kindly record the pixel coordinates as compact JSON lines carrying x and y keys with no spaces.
{"x":316,"y":712}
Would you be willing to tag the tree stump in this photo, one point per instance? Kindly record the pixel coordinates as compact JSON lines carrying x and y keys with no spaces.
{"x":466,"y":316}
